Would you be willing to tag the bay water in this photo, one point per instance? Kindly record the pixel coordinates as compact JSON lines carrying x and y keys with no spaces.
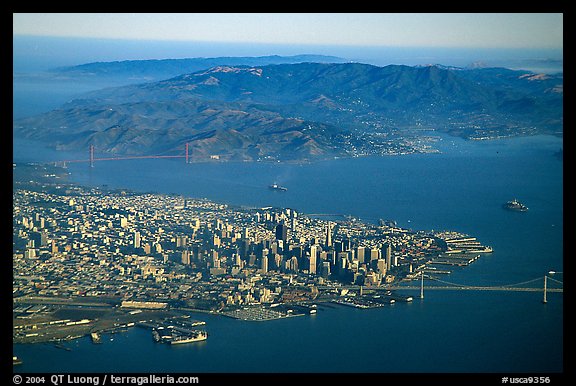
{"x":461,"y":189}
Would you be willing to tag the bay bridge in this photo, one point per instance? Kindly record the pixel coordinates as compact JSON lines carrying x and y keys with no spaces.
{"x":545,"y":284}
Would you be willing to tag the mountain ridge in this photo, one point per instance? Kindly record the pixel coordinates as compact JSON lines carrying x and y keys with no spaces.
{"x":326,"y":109}
{"x":158,"y":69}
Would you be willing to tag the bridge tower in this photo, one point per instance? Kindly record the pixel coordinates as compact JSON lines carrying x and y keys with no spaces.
{"x":91,"y":156}
{"x":422,"y":284}
{"x":545,"y":285}
{"x":187,"y":152}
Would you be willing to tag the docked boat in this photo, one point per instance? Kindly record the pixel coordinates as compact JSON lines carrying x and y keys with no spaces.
{"x":275,"y":186}
{"x":196,"y":337}
{"x":96,"y":338}
{"x":515,"y":205}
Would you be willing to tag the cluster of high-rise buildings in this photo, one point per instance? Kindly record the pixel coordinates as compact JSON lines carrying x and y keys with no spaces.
{"x":81,"y":242}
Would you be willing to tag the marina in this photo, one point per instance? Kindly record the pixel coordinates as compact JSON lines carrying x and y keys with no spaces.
{"x":272,"y":312}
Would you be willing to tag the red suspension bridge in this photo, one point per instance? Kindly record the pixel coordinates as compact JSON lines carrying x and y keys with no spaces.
{"x":91,"y":158}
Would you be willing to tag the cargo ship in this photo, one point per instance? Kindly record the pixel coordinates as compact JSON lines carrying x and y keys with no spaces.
{"x":196,"y":337}
{"x":275,"y":186}
{"x":516,"y":206}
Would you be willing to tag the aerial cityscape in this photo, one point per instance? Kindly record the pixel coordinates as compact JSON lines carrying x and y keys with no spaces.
{"x":218,"y":202}
{"x":95,"y":248}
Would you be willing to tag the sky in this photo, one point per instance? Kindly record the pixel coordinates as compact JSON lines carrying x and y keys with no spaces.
{"x":532,"y":41}
{"x":455,"y":30}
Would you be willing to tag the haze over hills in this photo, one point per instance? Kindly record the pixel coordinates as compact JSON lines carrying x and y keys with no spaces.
{"x":304,"y":111}
{"x":136,"y":71}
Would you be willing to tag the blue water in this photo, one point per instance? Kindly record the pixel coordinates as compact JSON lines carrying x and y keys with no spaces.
{"x":461,"y":189}
{"x":446,"y":332}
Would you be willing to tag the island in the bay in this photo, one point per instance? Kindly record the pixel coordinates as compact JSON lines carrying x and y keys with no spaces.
{"x":87,"y":261}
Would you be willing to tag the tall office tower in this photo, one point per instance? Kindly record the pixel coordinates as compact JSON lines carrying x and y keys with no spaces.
{"x":325,"y":269}
{"x":293,"y":264}
{"x":277,"y":261}
{"x":338,"y":247}
{"x":30,"y":253}
{"x":181,"y":241}
{"x":215,"y":259}
{"x":237,"y":259}
{"x":346,"y":245}
{"x":388,"y":256}
{"x":381,"y":264}
{"x":374,"y":254}
{"x":43,"y":238}
{"x":342,"y":263}
{"x":281,"y":232}
{"x":274,"y":247}
{"x":264,"y":265}
{"x":136,"y":239}
{"x":313,"y":259}
{"x":186,"y":257}
{"x":329,"y":235}
{"x":360,"y":254}
{"x":36,"y":237}
{"x":243,"y":248}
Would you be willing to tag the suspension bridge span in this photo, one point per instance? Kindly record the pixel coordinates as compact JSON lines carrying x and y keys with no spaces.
{"x":543,"y":284}
{"x":92,"y":158}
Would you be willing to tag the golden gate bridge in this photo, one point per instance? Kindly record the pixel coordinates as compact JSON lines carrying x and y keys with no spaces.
{"x":92,"y":159}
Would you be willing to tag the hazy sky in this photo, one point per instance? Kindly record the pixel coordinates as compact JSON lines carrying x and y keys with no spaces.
{"x":487,"y":30}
